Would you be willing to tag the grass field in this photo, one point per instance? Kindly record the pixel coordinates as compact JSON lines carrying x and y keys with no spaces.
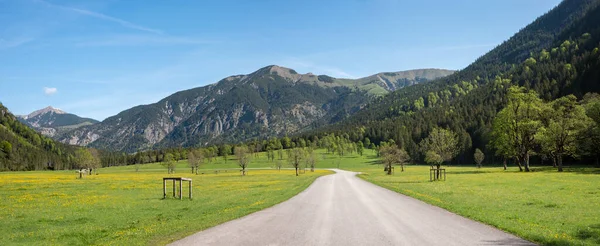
{"x":545,"y":206}
{"x":124,"y":207}
{"x":324,"y":160}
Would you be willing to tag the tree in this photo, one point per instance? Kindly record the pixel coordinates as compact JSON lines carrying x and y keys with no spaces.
{"x":225,"y":151}
{"x":286,"y":142}
{"x":478,"y":156}
{"x":501,"y":143}
{"x":192,"y":161}
{"x":419,"y":103}
{"x":270,"y":154}
{"x":391,"y":155}
{"x":403,"y":158}
{"x":169,"y":163}
{"x":367,"y":143}
{"x":278,"y":164}
{"x":565,"y":121}
{"x":195,"y":159}
{"x":442,"y":142}
{"x":388,"y":154}
{"x":590,"y":145}
{"x":210,"y":153}
{"x":311,"y":160}
{"x":360,"y":148}
{"x":432,"y":158}
{"x":295,"y":158}
{"x":176,"y":156}
{"x":95,"y":163}
{"x":243,"y":157}
{"x":85,"y":160}
{"x":517,"y":124}
{"x":146,"y":159}
{"x":6,"y":148}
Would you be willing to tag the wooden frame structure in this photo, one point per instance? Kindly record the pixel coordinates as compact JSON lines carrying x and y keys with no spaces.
{"x":180,"y":179}
{"x":436,"y":173}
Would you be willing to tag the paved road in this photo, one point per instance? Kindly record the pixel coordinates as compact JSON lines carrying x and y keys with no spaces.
{"x":342,"y":209}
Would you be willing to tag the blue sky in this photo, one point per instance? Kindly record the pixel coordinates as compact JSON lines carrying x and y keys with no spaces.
{"x":97,"y":58}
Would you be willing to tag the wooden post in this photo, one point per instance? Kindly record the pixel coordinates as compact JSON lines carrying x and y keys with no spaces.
{"x":180,"y":189}
{"x":164,"y":189}
{"x":190,"y":189}
{"x":180,"y":194}
{"x":430,"y":178}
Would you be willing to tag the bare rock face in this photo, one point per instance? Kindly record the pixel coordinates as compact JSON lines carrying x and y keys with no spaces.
{"x":273,"y":101}
{"x":51,"y":121}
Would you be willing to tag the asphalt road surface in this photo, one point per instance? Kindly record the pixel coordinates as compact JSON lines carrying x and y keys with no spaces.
{"x":342,"y":209}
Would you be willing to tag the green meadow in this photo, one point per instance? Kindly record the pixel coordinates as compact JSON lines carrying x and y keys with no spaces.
{"x":124,"y":205}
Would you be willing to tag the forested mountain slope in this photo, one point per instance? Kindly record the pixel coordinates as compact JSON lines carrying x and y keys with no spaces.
{"x":556,"y":55}
{"x":22,"y":148}
{"x":272,"y":101}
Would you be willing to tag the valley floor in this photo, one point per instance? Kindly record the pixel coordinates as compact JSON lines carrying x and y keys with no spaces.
{"x":123,"y":205}
{"x":126,"y":207}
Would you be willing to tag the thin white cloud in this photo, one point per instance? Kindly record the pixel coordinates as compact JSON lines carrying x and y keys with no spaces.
{"x":104,"y":17}
{"x":337,"y":73}
{"x":131,"y":40}
{"x":50,"y":90}
{"x":12,"y":43}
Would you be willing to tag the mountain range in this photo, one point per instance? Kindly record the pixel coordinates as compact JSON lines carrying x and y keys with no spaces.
{"x":556,"y":55}
{"x":272,"y":101}
{"x":52,"y":121}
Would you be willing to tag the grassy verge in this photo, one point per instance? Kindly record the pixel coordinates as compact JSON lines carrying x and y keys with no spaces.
{"x":124,"y":207}
{"x":545,"y":206}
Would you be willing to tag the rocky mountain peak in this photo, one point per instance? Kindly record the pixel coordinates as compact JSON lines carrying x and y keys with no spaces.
{"x":45,"y":110}
{"x":282,"y":72}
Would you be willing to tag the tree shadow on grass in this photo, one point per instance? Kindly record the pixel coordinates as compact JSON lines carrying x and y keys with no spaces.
{"x":413,"y":182}
{"x":587,"y":171}
{"x":469,"y":172}
{"x":568,"y":169}
{"x":374,"y":162}
{"x":591,"y":233}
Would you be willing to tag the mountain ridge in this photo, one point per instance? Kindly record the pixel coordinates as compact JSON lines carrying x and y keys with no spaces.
{"x":51,"y":121}
{"x":270,"y":101}
{"x":42,"y":111}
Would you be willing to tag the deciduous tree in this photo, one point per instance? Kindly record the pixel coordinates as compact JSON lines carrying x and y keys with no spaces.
{"x":295,"y":158}
{"x":169,"y":163}
{"x":391,"y":155}
{"x":225,"y":151}
{"x":478,"y":156}
{"x":516,"y":126}
{"x":442,"y":142}
{"x":243,"y":157}
{"x":195,"y":159}
{"x":311,"y":159}
{"x":565,"y":121}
